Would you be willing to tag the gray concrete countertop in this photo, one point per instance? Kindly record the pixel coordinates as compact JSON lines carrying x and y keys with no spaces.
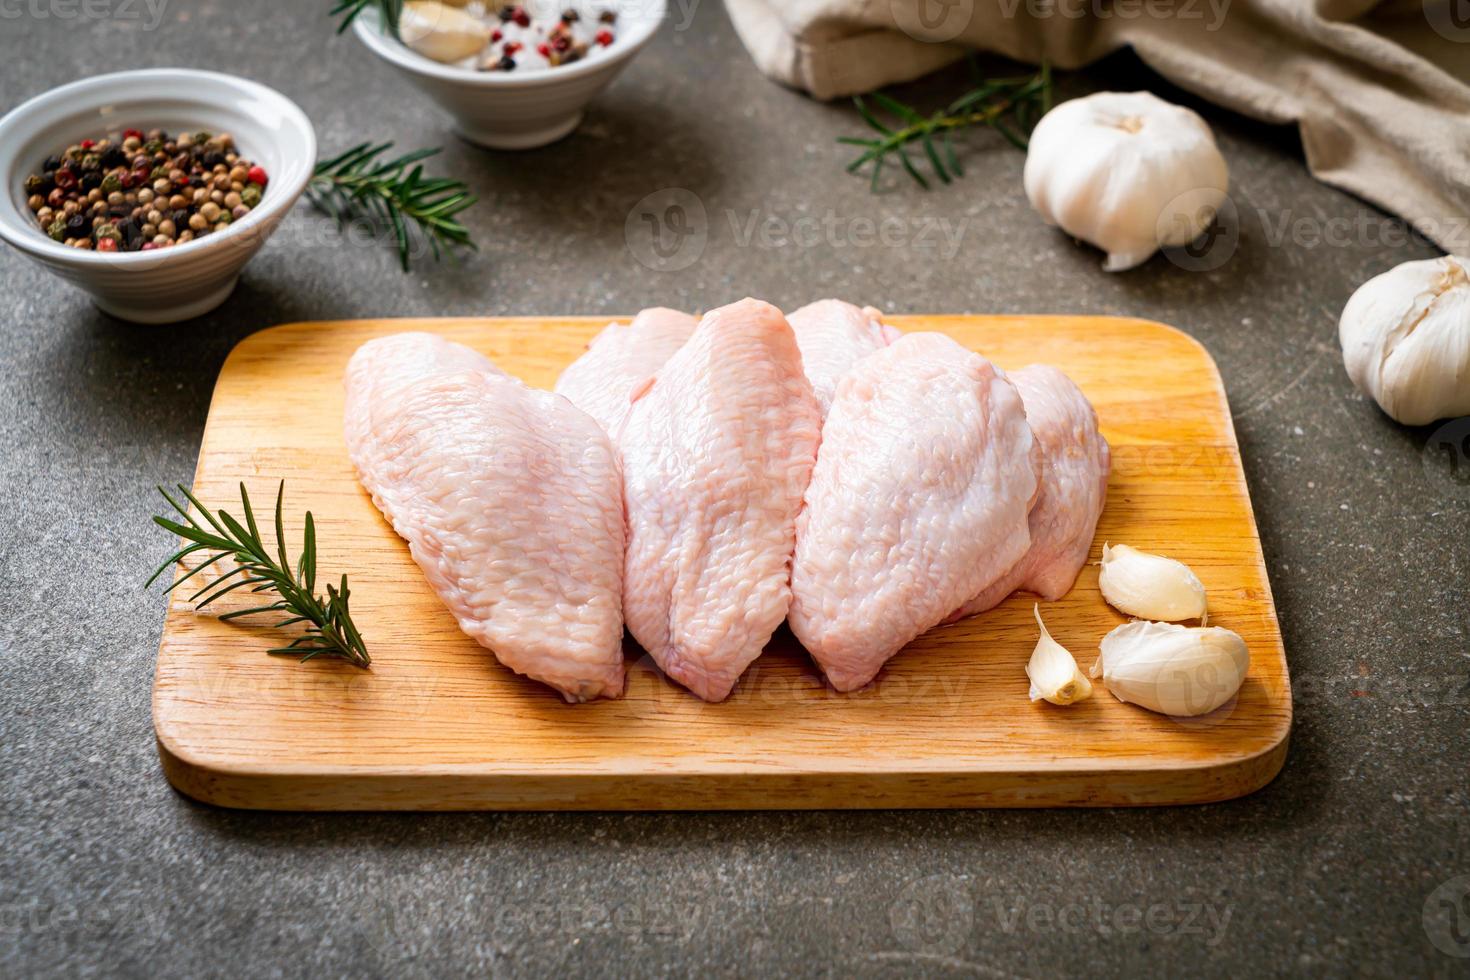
{"x":1354,"y":859}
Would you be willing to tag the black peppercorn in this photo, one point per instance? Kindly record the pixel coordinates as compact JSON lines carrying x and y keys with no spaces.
{"x":213,"y":158}
{"x":51,"y":164}
{"x":570,"y":16}
{"x":90,"y":179}
{"x":77,"y":225}
{"x":506,"y":63}
{"x":114,"y":156}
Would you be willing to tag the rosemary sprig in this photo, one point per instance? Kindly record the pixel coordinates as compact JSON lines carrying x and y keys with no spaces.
{"x":388,"y":11}
{"x":329,"y":631}
{"x":1010,"y":106}
{"x":360,"y":185}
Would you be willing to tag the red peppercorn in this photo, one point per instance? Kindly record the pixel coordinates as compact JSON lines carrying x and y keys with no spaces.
{"x":256,"y":175}
{"x":511,"y":47}
{"x":106,"y":245}
{"x":543,"y":49}
{"x":136,"y":134}
{"x":495,"y":35}
{"x":604,"y":38}
{"x":87,"y":144}
{"x":65,"y":179}
{"x":562,"y":42}
{"x":149,"y":246}
{"x":520,"y":16}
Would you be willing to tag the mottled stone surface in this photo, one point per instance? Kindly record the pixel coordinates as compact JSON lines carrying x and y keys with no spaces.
{"x":105,"y":870}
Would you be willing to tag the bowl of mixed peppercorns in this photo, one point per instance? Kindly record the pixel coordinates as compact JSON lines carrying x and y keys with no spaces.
{"x":152,"y":189}
{"x":513,"y":76}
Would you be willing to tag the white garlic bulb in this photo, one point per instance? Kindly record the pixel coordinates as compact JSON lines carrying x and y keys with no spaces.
{"x":1174,"y":670}
{"x":444,"y":33}
{"x":1151,"y":586}
{"x":1053,"y":671}
{"x":1127,"y":172}
{"x":1406,"y":339}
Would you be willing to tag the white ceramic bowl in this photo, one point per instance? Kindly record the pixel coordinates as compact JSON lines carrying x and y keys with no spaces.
{"x":519,"y":110}
{"x":168,"y":284}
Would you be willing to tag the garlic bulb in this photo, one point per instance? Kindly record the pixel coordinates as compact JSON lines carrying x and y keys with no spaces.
{"x":1127,"y":172}
{"x":1151,"y":586}
{"x":444,"y":33}
{"x":1053,"y":671}
{"x":1406,"y":339}
{"x":1174,"y":670}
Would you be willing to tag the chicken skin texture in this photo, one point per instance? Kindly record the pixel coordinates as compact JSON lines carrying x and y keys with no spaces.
{"x":716,"y":454}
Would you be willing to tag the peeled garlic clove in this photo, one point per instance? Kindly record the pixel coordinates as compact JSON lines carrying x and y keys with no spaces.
{"x":1406,"y":339}
{"x":441,"y":32}
{"x":1053,"y":671}
{"x":1127,"y":172}
{"x":1174,"y":670}
{"x":1150,"y":586}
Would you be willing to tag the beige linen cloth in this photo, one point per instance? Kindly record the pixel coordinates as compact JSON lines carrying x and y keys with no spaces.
{"x":1378,"y":89}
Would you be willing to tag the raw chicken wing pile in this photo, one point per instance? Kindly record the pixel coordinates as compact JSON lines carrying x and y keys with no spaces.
{"x":703,"y":481}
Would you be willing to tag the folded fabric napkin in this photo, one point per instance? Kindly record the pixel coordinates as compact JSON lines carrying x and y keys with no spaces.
{"x":1378,"y":89}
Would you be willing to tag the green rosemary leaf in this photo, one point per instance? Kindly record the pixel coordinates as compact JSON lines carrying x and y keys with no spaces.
{"x":1015,"y":139}
{"x":390,"y":194}
{"x":869,"y":118}
{"x":897,"y":108}
{"x":330,"y":631}
{"x":308,"y":554}
{"x":348,"y":10}
{"x":951,"y":156}
{"x":908,"y":165}
{"x":934,"y":161}
{"x":1009,"y":105}
{"x":273,"y":607}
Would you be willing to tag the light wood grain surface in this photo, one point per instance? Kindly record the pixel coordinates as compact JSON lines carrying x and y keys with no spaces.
{"x":438,"y":724}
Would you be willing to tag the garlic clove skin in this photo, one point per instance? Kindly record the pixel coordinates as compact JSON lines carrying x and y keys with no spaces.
{"x":1405,"y":338}
{"x":1151,"y":586}
{"x":1127,"y":172}
{"x":1182,"y":671}
{"x":441,"y":32}
{"x":1053,"y":671}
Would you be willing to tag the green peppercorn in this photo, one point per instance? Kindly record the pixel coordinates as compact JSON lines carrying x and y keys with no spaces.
{"x":250,"y":196}
{"x":111,"y":183}
{"x":107,"y":230}
{"x":57,"y":231}
{"x":152,"y":146}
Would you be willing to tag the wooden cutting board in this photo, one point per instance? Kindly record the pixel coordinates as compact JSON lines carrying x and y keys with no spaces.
{"x":438,"y":724}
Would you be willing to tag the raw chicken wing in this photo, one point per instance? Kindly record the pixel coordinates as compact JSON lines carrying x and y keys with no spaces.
{"x":1074,"y":484}
{"x":716,"y":455}
{"x":918,"y":502}
{"x":833,"y":336}
{"x":621,"y":357}
{"x":510,"y":499}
